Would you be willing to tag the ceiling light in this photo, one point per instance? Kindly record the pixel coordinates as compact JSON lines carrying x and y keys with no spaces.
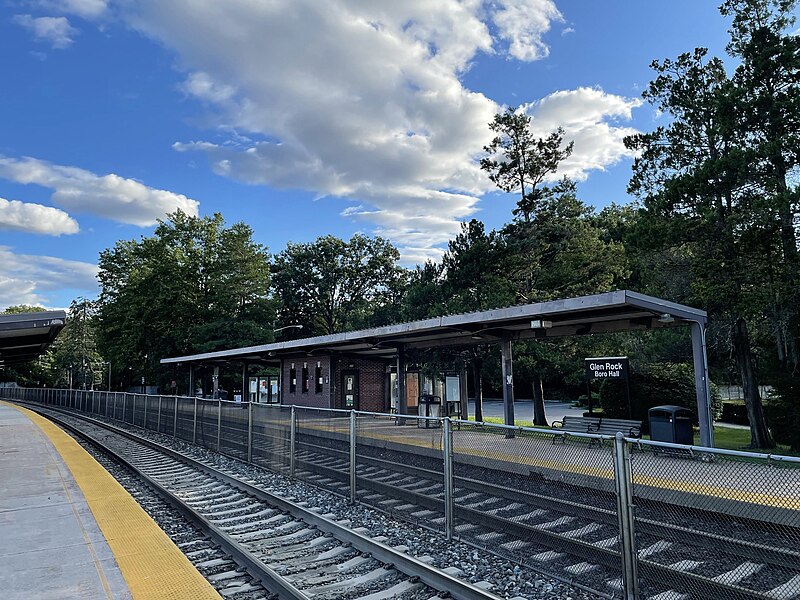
{"x":540,"y":324}
{"x":666,"y":318}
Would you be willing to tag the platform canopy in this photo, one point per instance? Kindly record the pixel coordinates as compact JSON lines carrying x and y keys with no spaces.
{"x":26,"y":336}
{"x":620,"y":310}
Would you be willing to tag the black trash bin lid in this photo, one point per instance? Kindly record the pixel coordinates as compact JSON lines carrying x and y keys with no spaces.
{"x":669,"y":409}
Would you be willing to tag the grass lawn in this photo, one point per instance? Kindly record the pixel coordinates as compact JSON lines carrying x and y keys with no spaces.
{"x":739,"y":439}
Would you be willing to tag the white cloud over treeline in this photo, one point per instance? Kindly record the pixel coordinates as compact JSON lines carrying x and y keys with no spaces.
{"x":109,"y":196}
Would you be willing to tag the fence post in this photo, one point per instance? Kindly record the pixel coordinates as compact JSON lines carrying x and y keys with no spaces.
{"x":144,"y":421}
{"x":249,"y":432}
{"x":627,"y":536}
{"x":352,"y":456}
{"x":175,"y":418}
{"x":219,"y":423}
{"x":158,"y":418}
{"x":125,"y":406}
{"x":447,"y":448}
{"x":292,"y":435}
{"x":194,"y":422}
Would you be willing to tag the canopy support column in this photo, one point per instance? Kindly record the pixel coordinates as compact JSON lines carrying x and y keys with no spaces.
{"x":704,"y":410}
{"x":508,"y":384}
{"x":402,"y":400}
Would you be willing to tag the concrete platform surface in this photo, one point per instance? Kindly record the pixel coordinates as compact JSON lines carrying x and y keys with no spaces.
{"x":51,"y":547}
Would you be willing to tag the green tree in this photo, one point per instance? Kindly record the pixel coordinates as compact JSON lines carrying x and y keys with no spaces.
{"x":74,"y":358}
{"x":690,"y":176}
{"x":330,"y":285}
{"x":768,"y":102}
{"x":22,"y":308}
{"x":195,"y":285}
{"x":560,"y":251}
{"x":517,"y":161}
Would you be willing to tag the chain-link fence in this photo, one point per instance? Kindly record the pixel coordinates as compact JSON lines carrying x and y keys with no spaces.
{"x":628,"y":518}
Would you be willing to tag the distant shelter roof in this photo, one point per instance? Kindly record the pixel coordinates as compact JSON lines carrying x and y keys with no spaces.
{"x":620,"y":310}
{"x":25,"y":336}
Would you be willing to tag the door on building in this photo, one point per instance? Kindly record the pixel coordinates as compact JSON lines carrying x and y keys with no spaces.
{"x":350,"y":389}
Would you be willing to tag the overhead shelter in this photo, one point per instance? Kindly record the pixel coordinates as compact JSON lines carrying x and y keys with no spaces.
{"x":616,"y":311}
{"x":26,"y":336}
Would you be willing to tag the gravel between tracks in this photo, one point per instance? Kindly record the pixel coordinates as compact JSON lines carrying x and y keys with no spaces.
{"x":509,"y":580}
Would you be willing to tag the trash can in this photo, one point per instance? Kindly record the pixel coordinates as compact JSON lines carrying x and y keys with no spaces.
{"x":429,"y":406}
{"x":671,"y":424}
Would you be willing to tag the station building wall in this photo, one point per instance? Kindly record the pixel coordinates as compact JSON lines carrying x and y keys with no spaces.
{"x":311,"y":396}
{"x":372,"y":380}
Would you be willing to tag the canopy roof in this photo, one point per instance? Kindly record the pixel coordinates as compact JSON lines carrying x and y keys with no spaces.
{"x":620,"y":310}
{"x":25,"y":336}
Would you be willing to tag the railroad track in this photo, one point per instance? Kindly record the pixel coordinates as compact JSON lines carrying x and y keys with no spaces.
{"x":569,"y":540}
{"x":292,"y":551}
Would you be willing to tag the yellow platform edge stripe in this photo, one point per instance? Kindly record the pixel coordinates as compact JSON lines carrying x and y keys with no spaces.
{"x":152,"y":565}
{"x":716,"y":491}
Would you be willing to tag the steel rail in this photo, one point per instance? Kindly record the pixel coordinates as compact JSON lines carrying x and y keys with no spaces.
{"x":269,"y":578}
{"x":585,"y":550}
{"x":695,"y":537}
{"x":439,"y":580}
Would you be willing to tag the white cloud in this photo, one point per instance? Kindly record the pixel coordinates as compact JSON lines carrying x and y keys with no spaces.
{"x":30,"y":279}
{"x":110,"y":196}
{"x":88,"y":9}
{"x":56,"y":31}
{"x":35,"y":218}
{"x":590,"y":118}
{"x":361,"y":99}
{"x":522,"y":23}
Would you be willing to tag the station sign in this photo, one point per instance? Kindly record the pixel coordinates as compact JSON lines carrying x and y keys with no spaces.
{"x":607,"y":367}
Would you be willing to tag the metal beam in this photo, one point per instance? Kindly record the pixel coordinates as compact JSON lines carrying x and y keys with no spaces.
{"x":402,"y":400}
{"x":508,"y":383}
{"x":704,"y":412}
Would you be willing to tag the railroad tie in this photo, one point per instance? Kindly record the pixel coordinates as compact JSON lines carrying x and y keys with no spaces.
{"x":744,"y":570}
{"x":557,"y":523}
{"x":580,"y":568}
{"x":547,"y":556}
{"x":656,"y":548}
{"x":670,"y":595}
{"x":396,"y":591}
{"x":790,"y":589}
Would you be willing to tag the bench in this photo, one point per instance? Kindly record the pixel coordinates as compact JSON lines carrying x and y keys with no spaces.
{"x":576,"y":424}
{"x":627,"y":427}
{"x":599,"y":425}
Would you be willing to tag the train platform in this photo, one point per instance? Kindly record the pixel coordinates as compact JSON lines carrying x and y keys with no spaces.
{"x":69,"y":530}
{"x":738,"y":486}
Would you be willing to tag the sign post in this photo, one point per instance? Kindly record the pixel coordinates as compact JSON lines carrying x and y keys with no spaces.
{"x":608,"y":367}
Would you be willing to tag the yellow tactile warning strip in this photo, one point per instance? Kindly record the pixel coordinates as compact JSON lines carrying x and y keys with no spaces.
{"x":153,"y":567}
{"x":739,"y":495}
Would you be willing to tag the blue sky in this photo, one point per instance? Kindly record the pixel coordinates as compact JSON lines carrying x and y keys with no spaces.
{"x":300,"y":117}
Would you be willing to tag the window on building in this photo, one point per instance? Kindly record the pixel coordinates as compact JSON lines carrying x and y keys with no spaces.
{"x":292,"y":380}
{"x":305,"y":378}
{"x":318,"y":379}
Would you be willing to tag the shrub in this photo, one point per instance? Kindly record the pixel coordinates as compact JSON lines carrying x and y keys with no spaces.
{"x":734,"y":413}
{"x":783,"y":411}
{"x":654,"y":385}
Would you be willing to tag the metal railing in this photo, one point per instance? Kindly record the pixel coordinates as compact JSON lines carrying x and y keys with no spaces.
{"x":649,"y":519}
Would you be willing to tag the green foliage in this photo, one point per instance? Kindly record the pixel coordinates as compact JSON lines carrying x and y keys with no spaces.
{"x":22,"y":308}
{"x":195,"y":285}
{"x":783,"y":410}
{"x":330,"y":285}
{"x":518,"y":161}
{"x":654,"y":385}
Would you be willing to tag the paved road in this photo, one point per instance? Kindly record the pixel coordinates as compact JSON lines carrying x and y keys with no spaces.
{"x":523,"y":410}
